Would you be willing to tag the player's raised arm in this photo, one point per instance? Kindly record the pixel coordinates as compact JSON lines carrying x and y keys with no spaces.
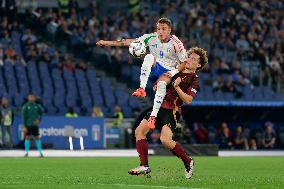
{"x":186,"y":98}
{"x":118,"y":43}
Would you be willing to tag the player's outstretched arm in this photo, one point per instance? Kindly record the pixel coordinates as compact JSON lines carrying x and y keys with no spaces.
{"x":118,"y":43}
{"x":183,"y":96}
{"x":172,"y":73}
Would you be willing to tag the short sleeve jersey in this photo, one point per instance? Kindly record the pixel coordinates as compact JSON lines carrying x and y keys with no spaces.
{"x":189,"y":84}
{"x":167,"y":54}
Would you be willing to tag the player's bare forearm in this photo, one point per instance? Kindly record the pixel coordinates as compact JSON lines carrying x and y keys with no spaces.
{"x":118,"y":43}
{"x":172,"y":73}
{"x":272,"y":142}
{"x":184,"y":97}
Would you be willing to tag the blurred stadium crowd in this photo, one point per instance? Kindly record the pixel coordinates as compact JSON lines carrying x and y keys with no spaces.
{"x":230,"y":136}
{"x":244,"y":40}
{"x":51,"y":52}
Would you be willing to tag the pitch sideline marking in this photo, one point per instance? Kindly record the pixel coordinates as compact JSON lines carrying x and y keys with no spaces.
{"x":148,"y":186}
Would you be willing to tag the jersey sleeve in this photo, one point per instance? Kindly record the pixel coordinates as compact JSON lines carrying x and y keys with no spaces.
{"x":192,"y":90}
{"x":146,"y":37}
{"x":179,"y":49}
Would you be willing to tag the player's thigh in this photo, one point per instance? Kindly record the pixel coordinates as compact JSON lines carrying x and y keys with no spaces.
{"x":157,"y":71}
{"x":166,"y":133}
{"x":142,"y":129}
{"x":35,"y":132}
{"x":165,"y":78}
{"x":28,"y":132}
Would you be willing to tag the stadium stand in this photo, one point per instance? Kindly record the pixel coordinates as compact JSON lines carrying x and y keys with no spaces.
{"x":30,"y":65}
{"x":245,"y":46}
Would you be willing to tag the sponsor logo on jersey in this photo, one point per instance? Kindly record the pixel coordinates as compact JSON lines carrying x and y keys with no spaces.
{"x":194,"y":90}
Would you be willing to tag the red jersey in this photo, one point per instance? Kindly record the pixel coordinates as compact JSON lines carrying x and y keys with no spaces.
{"x":189,"y":84}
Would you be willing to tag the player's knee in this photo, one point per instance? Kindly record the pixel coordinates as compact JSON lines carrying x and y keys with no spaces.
{"x":149,"y":58}
{"x":164,"y":140}
{"x":162,"y":84}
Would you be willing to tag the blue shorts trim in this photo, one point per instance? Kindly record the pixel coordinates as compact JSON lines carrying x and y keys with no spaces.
{"x":156,"y":72}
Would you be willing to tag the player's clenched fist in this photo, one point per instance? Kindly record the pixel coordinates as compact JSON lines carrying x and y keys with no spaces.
{"x":101,"y":43}
{"x":177,"y":82}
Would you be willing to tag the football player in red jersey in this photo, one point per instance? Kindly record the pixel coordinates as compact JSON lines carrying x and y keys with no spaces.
{"x":183,"y":88}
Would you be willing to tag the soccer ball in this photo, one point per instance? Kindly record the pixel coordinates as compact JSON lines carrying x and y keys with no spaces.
{"x":137,"y":48}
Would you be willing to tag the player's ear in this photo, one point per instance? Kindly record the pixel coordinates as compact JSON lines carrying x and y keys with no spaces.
{"x":198,"y":66}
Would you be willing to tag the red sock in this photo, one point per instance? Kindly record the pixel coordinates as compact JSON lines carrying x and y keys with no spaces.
{"x":179,"y":152}
{"x":142,"y":149}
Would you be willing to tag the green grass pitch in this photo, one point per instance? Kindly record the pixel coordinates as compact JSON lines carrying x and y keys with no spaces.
{"x":167,"y":172}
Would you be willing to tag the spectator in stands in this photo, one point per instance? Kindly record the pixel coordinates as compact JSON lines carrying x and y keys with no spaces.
{"x":253,"y":139}
{"x":29,"y":36}
{"x":275,"y":71}
{"x":269,"y":136}
{"x":32,"y":55}
{"x":225,"y":140}
{"x":97,"y":112}
{"x":155,"y":138}
{"x":68,"y":64}
{"x":242,"y":43}
{"x":118,"y":115}
{"x":82,"y":65}
{"x":6,"y":118}
{"x":1,"y":54}
{"x":229,"y":86}
{"x":55,"y":62}
{"x":212,"y":135}
{"x":188,"y":136}
{"x":20,"y":60}
{"x":45,"y":58}
{"x":4,"y":25}
{"x":10,"y":52}
{"x":71,"y":113}
{"x":201,"y":133}
{"x":240,"y":141}
{"x":217,"y":83}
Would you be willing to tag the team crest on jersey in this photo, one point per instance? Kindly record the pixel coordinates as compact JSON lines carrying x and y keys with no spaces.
{"x":184,"y":78}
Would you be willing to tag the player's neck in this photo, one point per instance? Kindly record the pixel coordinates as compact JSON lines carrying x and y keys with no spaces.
{"x":165,"y":40}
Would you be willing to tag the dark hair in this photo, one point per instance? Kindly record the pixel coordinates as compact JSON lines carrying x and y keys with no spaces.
{"x":202,"y":54}
{"x":165,"y":21}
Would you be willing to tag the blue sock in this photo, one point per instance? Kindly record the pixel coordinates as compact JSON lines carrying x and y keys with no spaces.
{"x":38,"y":145}
{"x":27,"y":145}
